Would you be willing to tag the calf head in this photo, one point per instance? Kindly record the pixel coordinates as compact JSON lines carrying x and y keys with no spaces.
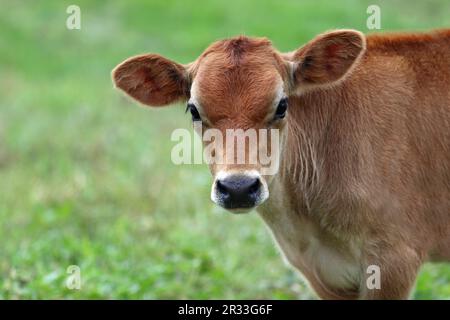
{"x":240,"y":88}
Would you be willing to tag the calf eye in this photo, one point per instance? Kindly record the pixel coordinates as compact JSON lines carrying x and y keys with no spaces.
{"x":194,"y":112}
{"x":281,"y":109}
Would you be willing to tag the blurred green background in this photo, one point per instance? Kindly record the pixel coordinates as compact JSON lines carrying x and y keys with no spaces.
{"x":86,"y":177}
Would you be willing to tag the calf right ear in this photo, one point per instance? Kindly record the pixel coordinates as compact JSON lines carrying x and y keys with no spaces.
{"x":152,"y":79}
{"x":328,"y":58}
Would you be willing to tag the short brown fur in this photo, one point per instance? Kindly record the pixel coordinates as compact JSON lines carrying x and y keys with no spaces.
{"x":365,"y":172}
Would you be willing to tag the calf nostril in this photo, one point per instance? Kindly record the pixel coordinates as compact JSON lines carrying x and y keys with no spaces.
{"x":221,"y":188}
{"x":254,"y":187}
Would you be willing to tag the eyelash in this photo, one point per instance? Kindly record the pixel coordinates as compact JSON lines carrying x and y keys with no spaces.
{"x":280,"y":113}
{"x":194,"y":112}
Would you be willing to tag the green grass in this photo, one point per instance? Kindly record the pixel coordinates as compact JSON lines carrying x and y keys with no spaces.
{"x":86,"y":176}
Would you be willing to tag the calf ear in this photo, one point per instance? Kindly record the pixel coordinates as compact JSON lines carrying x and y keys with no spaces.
{"x":327,"y":58}
{"x":152,"y":79}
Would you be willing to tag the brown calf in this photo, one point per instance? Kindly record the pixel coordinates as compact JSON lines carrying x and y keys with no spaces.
{"x":364,"y":178}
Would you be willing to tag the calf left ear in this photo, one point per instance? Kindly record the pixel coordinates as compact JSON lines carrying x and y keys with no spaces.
{"x":152,"y":79}
{"x":327,"y":58}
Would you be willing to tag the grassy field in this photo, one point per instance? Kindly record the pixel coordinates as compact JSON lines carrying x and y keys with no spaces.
{"x":86,"y":177}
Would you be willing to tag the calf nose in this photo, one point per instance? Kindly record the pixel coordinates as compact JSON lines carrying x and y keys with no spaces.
{"x":238,"y":191}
